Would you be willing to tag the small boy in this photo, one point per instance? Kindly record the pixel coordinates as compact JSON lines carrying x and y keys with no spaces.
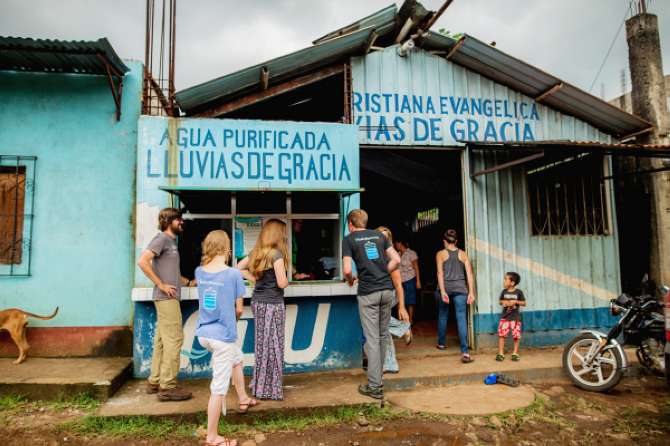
{"x":511,"y":299}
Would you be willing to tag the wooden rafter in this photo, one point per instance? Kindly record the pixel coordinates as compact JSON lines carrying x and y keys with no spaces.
{"x":549,"y":92}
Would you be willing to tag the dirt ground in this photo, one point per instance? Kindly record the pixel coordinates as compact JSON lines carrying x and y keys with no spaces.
{"x":636,"y":412}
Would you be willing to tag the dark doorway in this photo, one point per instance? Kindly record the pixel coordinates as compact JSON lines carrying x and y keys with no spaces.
{"x":418,"y":195}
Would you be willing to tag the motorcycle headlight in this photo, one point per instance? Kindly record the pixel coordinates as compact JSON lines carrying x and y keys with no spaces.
{"x":615,"y":310}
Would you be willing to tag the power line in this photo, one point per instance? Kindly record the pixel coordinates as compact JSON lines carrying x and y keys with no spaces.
{"x":602,"y":65}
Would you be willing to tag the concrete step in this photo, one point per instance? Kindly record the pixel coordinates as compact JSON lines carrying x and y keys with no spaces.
{"x":339,"y":388}
{"x":61,"y":378}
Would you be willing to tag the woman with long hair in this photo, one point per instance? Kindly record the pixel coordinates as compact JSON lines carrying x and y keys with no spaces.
{"x":456,"y":283}
{"x":266,"y":266}
{"x":397,"y":327}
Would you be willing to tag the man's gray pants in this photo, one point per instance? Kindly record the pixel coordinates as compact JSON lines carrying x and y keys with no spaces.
{"x":375,"y":312}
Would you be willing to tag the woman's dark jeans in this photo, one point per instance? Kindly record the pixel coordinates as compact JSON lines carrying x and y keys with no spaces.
{"x":461,"y":305}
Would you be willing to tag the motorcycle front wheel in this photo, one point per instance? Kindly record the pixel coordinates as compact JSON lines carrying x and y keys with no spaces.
{"x":604,"y":371}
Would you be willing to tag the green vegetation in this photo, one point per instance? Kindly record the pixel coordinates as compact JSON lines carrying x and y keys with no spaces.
{"x":638,"y":423}
{"x":81,"y":401}
{"x":11,"y":402}
{"x":541,"y":411}
{"x":143,"y":426}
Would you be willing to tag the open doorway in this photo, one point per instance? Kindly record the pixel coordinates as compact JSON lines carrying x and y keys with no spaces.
{"x":417,"y":194}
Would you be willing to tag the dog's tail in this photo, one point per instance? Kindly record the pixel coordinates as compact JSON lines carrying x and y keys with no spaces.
{"x":44,"y":318}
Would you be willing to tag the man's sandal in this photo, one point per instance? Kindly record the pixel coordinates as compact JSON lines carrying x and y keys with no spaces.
{"x":500,"y":357}
{"x":516,"y":357}
{"x":507,"y":380}
{"x":244,"y":407}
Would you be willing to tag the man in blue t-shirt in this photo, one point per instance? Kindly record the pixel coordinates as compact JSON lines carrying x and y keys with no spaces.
{"x":369,"y":250}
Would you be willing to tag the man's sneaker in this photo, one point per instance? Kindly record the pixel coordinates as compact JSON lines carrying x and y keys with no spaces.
{"x":152,"y":389}
{"x":373,"y":392}
{"x":174,"y":394}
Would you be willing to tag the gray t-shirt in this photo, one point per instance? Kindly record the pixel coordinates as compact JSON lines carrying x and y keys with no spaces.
{"x":165,"y":263}
{"x":266,"y":288}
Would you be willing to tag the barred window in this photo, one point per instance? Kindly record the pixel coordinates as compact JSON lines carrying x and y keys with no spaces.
{"x":569,"y":197}
{"x":16,"y":200}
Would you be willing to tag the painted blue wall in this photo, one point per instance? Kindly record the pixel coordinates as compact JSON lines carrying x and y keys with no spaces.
{"x":322,"y":333}
{"x":82,"y":246}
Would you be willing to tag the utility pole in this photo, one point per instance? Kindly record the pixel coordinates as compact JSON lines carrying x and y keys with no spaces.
{"x":649,"y":102}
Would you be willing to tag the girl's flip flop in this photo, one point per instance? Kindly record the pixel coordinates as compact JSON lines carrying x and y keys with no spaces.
{"x":244,"y":407}
{"x":225,"y":442}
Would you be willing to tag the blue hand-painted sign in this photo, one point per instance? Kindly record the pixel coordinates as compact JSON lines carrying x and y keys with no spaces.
{"x":320,"y":334}
{"x":244,"y":154}
{"x":423,"y":99}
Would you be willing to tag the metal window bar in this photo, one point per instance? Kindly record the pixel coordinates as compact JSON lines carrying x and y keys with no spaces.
{"x":17,"y":216}
{"x":568,"y":198}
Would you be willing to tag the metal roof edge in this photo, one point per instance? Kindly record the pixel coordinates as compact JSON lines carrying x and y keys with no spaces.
{"x":198,"y":95}
{"x":577,"y":95}
{"x":360,"y":24}
{"x":101,"y":46}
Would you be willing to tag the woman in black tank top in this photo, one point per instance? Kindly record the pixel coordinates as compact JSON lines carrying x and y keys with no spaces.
{"x":457,"y":285}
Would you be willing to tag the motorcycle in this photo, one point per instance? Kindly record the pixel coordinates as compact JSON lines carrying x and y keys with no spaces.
{"x":596,"y":361}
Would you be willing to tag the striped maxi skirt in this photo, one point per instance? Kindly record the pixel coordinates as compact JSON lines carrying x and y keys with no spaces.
{"x":268,"y":377}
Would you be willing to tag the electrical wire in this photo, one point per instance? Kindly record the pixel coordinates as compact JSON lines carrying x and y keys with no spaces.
{"x":607,"y":55}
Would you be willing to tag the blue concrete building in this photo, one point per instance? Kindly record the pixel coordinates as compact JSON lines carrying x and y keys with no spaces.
{"x":68,"y":137}
{"x":452,"y":133}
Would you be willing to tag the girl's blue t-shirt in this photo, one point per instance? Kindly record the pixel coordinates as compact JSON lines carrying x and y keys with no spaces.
{"x":217,"y":293}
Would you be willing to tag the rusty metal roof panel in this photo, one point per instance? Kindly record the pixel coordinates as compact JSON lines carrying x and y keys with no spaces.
{"x":500,"y":67}
{"x":59,"y":56}
{"x":209,"y":93}
{"x":382,"y":21}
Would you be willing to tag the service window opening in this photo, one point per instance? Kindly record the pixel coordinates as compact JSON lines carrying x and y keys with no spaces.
{"x":313,"y":228}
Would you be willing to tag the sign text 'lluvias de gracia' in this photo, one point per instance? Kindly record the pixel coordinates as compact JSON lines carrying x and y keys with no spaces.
{"x":244,"y":154}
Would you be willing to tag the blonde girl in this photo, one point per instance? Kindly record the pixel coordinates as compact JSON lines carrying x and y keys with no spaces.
{"x":266,"y":265}
{"x":220,"y":300}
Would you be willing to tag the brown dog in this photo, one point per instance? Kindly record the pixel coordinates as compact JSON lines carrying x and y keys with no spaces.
{"x":14,"y":321}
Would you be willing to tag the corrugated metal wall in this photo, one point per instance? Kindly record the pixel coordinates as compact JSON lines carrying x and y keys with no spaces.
{"x":567,"y":280}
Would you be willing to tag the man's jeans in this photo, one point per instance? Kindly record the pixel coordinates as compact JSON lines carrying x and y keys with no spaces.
{"x":461,"y":305}
{"x":375,"y":312}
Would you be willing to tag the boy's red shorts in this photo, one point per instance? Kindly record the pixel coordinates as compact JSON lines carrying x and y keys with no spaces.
{"x":505,"y":326}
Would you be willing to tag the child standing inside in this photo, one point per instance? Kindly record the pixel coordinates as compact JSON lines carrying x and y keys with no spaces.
{"x":511,"y":299}
{"x":220,"y":298}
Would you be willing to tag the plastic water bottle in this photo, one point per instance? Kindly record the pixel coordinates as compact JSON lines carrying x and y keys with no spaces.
{"x":491,"y":379}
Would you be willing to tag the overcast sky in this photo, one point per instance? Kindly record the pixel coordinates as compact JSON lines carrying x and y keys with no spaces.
{"x":567,"y":38}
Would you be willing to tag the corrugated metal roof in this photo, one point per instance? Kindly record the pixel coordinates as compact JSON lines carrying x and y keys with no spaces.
{"x":531,"y":81}
{"x":472,"y":54}
{"x":59,"y":56}
{"x":382,"y":21}
{"x":201,"y":96}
